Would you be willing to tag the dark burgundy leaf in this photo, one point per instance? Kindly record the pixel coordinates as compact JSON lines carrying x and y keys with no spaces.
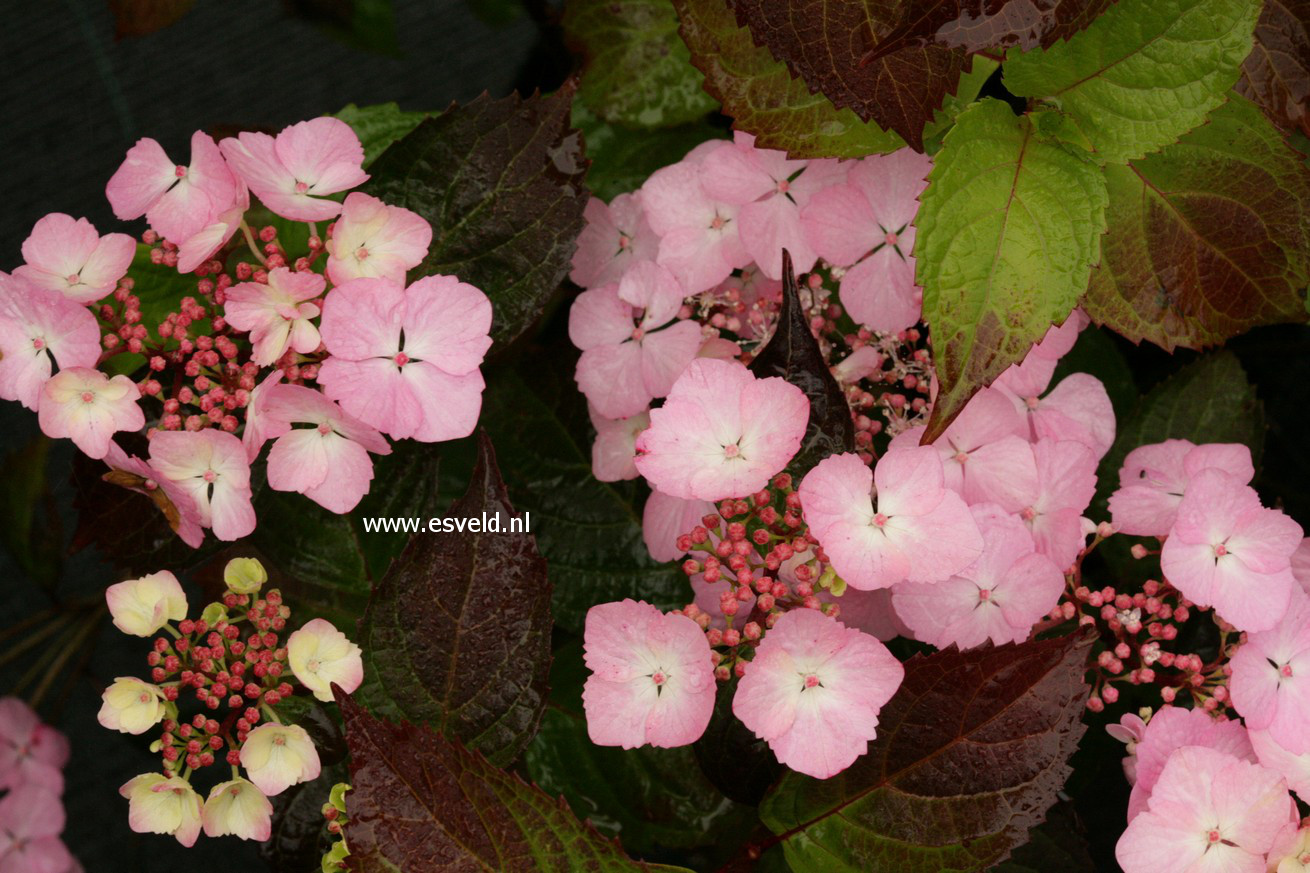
{"x":826,"y":45}
{"x":970,"y":754}
{"x":978,"y":25}
{"x":793,"y":353}
{"x":1276,"y":75}
{"x":421,"y":802}
{"x":457,"y":633}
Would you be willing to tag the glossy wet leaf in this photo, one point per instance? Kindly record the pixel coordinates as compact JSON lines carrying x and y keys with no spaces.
{"x":457,"y":633}
{"x":971,"y":753}
{"x":379,"y":125}
{"x":1008,"y":229}
{"x":1208,"y":238}
{"x":623,"y":158}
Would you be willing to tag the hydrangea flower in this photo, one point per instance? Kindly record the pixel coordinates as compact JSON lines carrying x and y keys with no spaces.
{"x":1228,"y":551}
{"x":1209,"y":812}
{"x":1154,"y":477}
{"x":277,"y":756}
{"x":205,"y":243}
{"x":1171,"y":728}
{"x":141,"y":607}
{"x":652,"y":680}
{"x":770,"y":191}
{"x":211,"y":466}
{"x":31,"y":753}
{"x":1291,"y":850}
{"x":328,"y":462}
{"x":1291,"y":766}
{"x":1270,"y":685}
{"x":721,"y":432}
{"x":88,"y":407}
{"x":998,"y":597}
{"x":699,"y":234}
{"x":615,"y":237}
{"x":813,"y":692}
{"x":161,"y":804}
{"x":405,"y":360}
{"x":131,"y":706}
{"x":173,"y":500}
{"x":238,"y":808}
{"x":614,"y":453}
{"x":277,"y":313}
{"x":1130,"y":731}
{"x":1066,"y":482}
{"x":372,"y":240}
{"x":67,"y":255}
{"x":320,"y":655}
{"x":39,"y":328}
{"x":177,"y":201}
{"x":893,"y":523}
{"x":31,"y":819}
{"x":866,"y":226}
{"x":631,"y":353}
{"x":293,"y":172}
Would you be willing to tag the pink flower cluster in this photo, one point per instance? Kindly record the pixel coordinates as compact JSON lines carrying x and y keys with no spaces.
{"x":32,"y":758}
{"x":234,"y":661}
{"x":324,"y":353}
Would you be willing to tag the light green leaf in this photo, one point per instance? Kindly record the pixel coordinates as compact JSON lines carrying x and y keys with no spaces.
{"x":1008,"y":229}
{"x":638,"y":71}
{"x":379,"y":125}
{"x":1144,"y":73}
{"x":623,"y":158}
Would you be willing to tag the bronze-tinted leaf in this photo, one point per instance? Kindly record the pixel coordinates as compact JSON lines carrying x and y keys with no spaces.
{"x":457,"y":633}
{"x":1276,"y":75}
{"x":978,"y":25}
{"x":422,"y":802}
{"x":826,"y":44}
{"x":970,"y":754}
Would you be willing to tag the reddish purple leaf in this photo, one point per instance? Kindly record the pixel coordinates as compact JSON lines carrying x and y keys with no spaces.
{"x":979,"y":25}
{"x":1276,"y":74}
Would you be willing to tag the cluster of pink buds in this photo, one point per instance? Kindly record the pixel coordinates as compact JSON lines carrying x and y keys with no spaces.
{"x":232,"y":664}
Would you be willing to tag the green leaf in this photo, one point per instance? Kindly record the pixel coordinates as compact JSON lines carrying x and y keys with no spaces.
{"x":1208,"y":238}
{"x":588,"y":531}
{"x":1144,"y":73}
{"x":496,"y":13}
{"x":970,"y":754}
{"x":379,"y":125}
{"x":623,"y":158}
{"x":636,"y":71}
{"x":651,"y":798}
{"x":369,"y":25}
{"x":457,"y":633}
{"x":420,"y":801}
{"x":501,"y":183}
{"x":763,"y":98}
{"x":1208,"y":401}
{"x":1008,"y":229}
{"x":794,"y":354}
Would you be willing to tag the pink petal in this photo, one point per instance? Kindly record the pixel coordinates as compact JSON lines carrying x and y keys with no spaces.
{"x":839,"y":225}
{"x":611,"y":378}
{"x":375,"y":391}
{"x":324,"y":152}
{"x":599,"y":317}
{"x":450,"y":404}
{"x":145,"y":174}
{"x":362,"y":319}
{"x":666,"y":353}
{"x":880,"y":292}
{"x":350,"y":470}
{"x":447,"y":323}
{"x":769,"y":226}
{"x":1078,"y":408}
{"x":666,"y":518}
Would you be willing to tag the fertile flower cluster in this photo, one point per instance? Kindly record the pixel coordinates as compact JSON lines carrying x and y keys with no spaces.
{"x":321,"y":351}
{"x":32,"y":758}
{"x":233,"y":661}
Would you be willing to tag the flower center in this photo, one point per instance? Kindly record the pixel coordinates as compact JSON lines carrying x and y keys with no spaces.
{"x":324,"y":428}
{"x":301,"y":187}
{"x":879,"y":520}
{"x":961,"y":457}
{"x":891,"y":237}
{"x":38,"y":343}
{"x":658,"y":677}
{"x":73,"y":279}
{"x":401,"y":359}
{"x":279,"y":740}
{"x":717,"y":223}
{"x":1028,"y":514}
{"x":1286,"y":670}
{"x":145,"y":697}
{"x":87,"y":397}
{"x":180,"y":171}
{"x":313,"y":664}
{"x":361,"y":253}
{"x":1213,"y":836}
{"x":811,"y":680}
{"x":638,"y":333}
{"x":784,"y":186}
{"x":624,"y":242}
{"x":1031,"y":402}
{"x":210,"y":476}
{"x":1220,"y":550}
{"x":731,"y":451}
{"x":984,"y":594}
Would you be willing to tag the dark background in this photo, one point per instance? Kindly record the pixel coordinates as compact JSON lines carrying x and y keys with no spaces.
{"x":75,"y":99}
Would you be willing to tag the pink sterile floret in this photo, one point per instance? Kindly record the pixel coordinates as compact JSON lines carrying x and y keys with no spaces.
{"x":1130,"y":730}
{"x":986,"y":457}
{"x":814,"y":690}
{"x":39,"y":328}
{"x":1271,"y":678}
{"x":652,"y":678}
{"x":31,"y":819}
{"x":88,"y":407}
{"x":1209,"y":813}
{"x":666,"y":518}
{"x":31,"y":753}
{"x":372,"y":240}
{"x":896,"y":522}
{"x":1228,"y":551}
{"x":633,"y":349}
{"x":722,"y":432}
{"x":1066,"y":482}
{"x":183,"y":516}
{"x":699,"y":234}
{"x":277,"y":313}
{"x":327,"y":461}
{"x":1291,"y":766}
{"x":998,"y":597}
{"x":1154,"y":477}
{"x":1076,"y":409}
{"x":177,"y":201}
{"x":770,"y":191}
{"x":211,"y":466}
{"x":292,"y":172}
{"x":1030,"y":376}
{"x":614,"y":453}
{"x":67,"y":255}
{"x":866,"y":225}
{"x":205,"y":243}
{"x":1171,"y":728}
{"x":405,"y":360}
{"x":616,"y":236}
